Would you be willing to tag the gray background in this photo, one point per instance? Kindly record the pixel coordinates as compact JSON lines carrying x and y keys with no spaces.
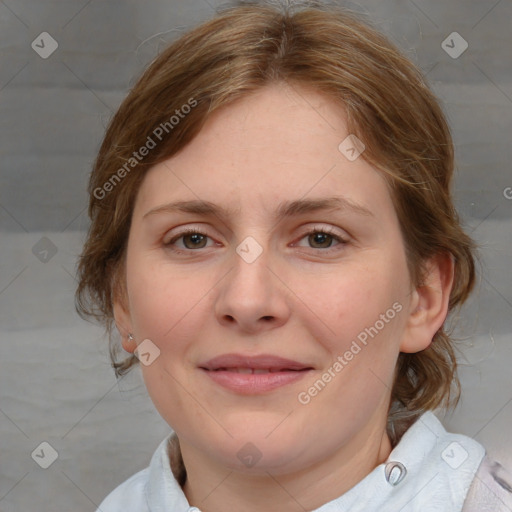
{"x":55,"y":381}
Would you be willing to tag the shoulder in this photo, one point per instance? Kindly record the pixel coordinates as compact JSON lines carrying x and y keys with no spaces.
{"x":491,"y":488}
{"x":129,"y":496}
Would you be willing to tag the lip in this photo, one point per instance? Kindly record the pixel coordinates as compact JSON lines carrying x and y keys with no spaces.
{"x":224,"y":370}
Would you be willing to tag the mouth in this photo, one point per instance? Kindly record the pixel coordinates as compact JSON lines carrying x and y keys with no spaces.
{"x":253,"y":374}
{"x":257,"y":371}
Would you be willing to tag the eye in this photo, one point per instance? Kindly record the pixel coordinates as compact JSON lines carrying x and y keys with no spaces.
{"x":190,"y":239}
{"x":322,"y":238}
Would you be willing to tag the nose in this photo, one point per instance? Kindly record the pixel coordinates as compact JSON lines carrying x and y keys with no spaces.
{"x":252,"y":298}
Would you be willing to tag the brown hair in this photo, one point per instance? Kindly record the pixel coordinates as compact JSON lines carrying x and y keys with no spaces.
{"x":388,"y":106}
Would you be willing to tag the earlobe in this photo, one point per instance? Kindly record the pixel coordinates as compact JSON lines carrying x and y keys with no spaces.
{"x":128,"y":343}
{"x":124,"y":326}
{"x":429,"y":304}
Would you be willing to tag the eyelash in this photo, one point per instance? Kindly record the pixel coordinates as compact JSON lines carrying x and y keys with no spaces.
{"x":323,"y":231}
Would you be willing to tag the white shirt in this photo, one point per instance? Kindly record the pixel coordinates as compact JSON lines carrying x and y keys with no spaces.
{"x":430,"y":470}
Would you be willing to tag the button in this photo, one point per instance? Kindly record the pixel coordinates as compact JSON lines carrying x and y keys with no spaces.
{"x":395,"y":473}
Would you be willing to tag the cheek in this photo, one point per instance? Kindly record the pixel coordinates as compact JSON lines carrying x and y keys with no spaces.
{"x":166,"y":308}
{"x":360,"y":332}
{"x":162,"y":300}
{"x":347,"y":303}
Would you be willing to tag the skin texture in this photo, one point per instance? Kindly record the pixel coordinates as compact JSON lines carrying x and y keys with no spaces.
{"x":300,"y":299}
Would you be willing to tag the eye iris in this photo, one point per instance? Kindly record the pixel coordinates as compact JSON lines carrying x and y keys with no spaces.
{"x":320,"y":239}
{"x":196,"y":239}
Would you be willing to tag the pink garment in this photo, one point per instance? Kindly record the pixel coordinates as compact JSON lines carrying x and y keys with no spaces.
{"x":491,"y":489}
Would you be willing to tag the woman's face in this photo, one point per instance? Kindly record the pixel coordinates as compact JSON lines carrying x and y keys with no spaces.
{"x":268,"y":272}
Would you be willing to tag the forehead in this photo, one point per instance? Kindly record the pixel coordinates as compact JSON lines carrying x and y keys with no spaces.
{"x":280,"y":143}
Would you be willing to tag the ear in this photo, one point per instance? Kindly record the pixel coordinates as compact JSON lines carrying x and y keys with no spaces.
{"x":124,"y":324}
{"x":429,"y":304}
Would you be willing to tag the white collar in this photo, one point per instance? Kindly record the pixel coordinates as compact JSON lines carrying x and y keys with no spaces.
{"x":439,"y":468}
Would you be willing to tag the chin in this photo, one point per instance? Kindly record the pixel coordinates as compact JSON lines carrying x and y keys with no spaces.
{"x":261,"y":451}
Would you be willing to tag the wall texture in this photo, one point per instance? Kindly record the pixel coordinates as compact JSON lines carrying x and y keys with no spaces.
{"x":55,"y":382}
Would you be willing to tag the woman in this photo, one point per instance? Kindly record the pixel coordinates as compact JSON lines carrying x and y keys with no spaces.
{"x":273,"y":236}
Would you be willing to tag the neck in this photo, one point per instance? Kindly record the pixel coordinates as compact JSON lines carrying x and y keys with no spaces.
{"x":214,"y":488}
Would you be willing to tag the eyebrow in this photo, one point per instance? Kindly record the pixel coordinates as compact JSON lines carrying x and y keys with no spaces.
{"x":284,"y":210}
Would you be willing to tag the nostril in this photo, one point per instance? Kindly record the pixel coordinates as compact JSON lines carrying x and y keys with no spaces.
{"x":267,"y":318}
